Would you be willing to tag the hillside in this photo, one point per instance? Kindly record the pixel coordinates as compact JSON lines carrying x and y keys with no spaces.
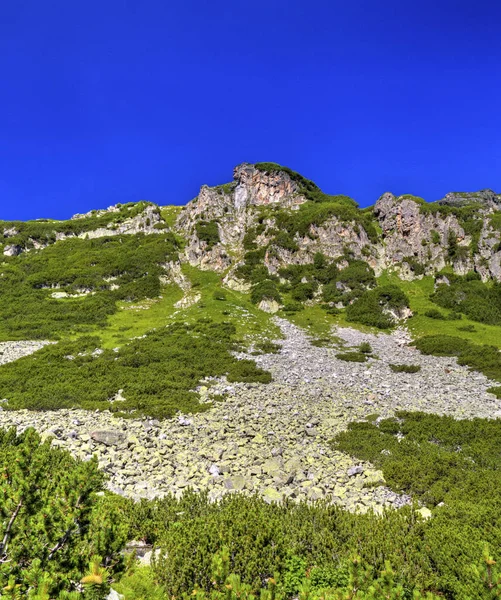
{"x":243,"y":369}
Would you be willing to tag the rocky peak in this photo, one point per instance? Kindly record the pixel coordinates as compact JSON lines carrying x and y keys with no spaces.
{"x":258,"y":186}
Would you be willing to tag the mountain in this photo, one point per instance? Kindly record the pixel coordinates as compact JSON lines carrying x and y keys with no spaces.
{"x":270,"y":233}
{"x":200,"y":376}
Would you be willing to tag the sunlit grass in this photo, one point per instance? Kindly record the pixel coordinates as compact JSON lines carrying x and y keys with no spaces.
{"x":418,"y":292}
{"x":137,"y":318}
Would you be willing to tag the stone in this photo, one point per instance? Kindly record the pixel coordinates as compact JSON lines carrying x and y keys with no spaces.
{"x":352,"y":471}
{"x":270,"y":495}
{"x":424,"y":512}
{"x":269,"y":306}
{"x":108,"y":438}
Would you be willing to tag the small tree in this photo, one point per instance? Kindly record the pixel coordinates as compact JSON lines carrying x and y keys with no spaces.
{"x":48,"y":515}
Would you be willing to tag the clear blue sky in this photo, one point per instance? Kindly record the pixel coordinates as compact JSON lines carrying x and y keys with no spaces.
{"x":116,"y":101}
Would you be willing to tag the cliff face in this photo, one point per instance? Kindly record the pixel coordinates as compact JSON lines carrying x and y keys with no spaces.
{"x":434,"y":237}
{"x":231,"y":208}
{"x":409,"y":235}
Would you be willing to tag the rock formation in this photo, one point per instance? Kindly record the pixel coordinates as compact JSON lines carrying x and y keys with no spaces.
{"x":414,"y":237}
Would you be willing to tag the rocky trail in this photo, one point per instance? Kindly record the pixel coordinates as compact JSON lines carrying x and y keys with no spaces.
{"x":271,"y":439}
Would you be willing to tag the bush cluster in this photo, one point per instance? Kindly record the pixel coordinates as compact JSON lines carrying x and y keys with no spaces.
{"x":157,"y":372}
{"x":208,"y":232}
{"x":405,"y":368}
{"x":480,"y":357}
{"x":452,"y":467}
{"x":352,"y":356}
{"x":52,"y":522}
{"x":468,"y":295}
{"x":376,"y":307}
{"x":109,"y":269}
{"x":265,"y":290}
{"x":45,"y":230}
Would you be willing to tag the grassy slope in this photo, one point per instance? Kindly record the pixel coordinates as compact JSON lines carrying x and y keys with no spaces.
{"x":135,"y":319}
{"x":170,"y":214}
{"x":418,"y":292}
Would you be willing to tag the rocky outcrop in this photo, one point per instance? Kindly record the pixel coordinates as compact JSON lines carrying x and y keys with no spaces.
{"x":257,"y":187}
{"x":435,"y":238}
{"x":144,"y":222}
{"x":334,"y":238}
{"x":232,"y":208}
{"x":415,"y":238}
{"x":409,"y":233}
{"x":484,"y":198}
{"x":237,"y":207}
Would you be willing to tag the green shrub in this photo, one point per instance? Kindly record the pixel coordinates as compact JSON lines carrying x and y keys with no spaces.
{"x":52,"y":521}
{"x":484,"y":358}
{"x":265,"y":290}
{"x":292,"y":307}
{"x":414,"y":265}
{"x":323,"y":342}
{"x":405,"y":368}
{"x":289,"y":540}
{"x":208,"y":232}
{"x":365,"y":348}
{"x":477,"y":300}
{"x":303,"y":291}
{"x":435,"y":236}
{"x":267,"y":347}
{"x":440,"y":460}
{"x":358,"y":274}
{"x":331,"y":310}
{"x":495,"y":390}
{"x":247,"y":371}
{"x":157,"y":372}
{"x":373,"y":307}
{"x":352,"y":356}
{"x":433,"y":313}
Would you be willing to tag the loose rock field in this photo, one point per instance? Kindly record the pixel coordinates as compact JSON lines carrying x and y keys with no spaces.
{"x":271,"y":439}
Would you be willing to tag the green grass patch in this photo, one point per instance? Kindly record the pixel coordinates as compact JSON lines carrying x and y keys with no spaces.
{"x":405,"y":368}
{"x":418,"y":293}
{"x":170,"y":214}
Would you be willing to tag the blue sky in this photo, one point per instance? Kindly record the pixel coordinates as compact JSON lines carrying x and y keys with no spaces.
{"x":116,"y":101}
